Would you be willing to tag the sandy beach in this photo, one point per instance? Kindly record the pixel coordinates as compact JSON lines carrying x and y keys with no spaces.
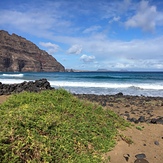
{"x":147,"y":137}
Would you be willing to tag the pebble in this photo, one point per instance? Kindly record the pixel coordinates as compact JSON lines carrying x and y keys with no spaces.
{"x":156,"y":143}
{"x":153,"y":120}
{"x":141,"y":119}
{"x":126,"y":156}
{"x":126,"y":115}
{"x":132,"y":120}
{"x":140,"y":156}
{"x":157,"y":121}
{"x":120,"y":94}
{"x":141,"y":161}
{"x":127,"y":106}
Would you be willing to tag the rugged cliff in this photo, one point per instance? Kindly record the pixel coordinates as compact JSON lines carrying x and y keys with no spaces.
{"x":19,"y":54}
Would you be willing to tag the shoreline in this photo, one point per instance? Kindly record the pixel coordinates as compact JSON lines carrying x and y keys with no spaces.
{"x":132,"y":108}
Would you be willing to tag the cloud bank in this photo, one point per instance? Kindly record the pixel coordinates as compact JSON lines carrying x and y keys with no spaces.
{"x":51,"y":48}
{"x":85,"y":58}
{"x":145,"y":18}
{"x":75,"y":49}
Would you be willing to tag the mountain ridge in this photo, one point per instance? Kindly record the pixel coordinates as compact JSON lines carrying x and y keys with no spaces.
{"x":17,"y":54}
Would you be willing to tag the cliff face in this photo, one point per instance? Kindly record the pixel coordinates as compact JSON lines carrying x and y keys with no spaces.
{"x":19,"y":54}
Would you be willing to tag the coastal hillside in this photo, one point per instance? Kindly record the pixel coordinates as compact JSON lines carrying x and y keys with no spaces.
{"x":20,"y":55}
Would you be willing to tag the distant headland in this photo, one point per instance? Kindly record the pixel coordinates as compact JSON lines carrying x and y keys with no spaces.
{"x":20,"y":55}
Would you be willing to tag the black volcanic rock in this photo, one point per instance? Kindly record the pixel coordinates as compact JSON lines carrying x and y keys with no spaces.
{"x":140,"y":156}
{"x":130,"y":106}
{"x":19,"y":54}
{"x":31,"y":86}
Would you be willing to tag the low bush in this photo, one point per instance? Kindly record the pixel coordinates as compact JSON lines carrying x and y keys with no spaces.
{"x":54,"y":126}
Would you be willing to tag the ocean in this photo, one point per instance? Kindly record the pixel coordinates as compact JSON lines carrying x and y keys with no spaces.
{"x":100,"y":83}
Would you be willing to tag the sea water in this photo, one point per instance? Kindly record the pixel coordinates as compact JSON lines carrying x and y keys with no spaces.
{"x":106,"y":83}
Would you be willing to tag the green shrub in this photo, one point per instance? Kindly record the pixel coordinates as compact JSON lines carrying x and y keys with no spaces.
{"x":55,"y":126}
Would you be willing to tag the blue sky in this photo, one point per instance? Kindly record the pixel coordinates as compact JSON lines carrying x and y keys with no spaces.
{"x":91,"y":34}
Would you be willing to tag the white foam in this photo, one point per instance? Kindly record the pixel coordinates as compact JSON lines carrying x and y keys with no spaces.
{"x":106,"y":85}
{"x":11,"y":81}
{"x":13,"y":75}
{"x":150,"y":86}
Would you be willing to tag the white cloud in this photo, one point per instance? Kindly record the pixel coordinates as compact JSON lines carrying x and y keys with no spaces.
{"x":145,"y":17}
{"x":130,"y":64}
{"x":85,"y":58}
{"x":42,"y":21}
{"x":115,"y":19}
{"x":105,"y":49}
{"x":92,"y":29}
{"x":52,"y":48}
{"x":26,"y":21}
{"x":75,"y":49}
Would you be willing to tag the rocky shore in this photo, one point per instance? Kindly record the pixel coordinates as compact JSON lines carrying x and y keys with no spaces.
{"x":137,"y":109}
{"x":31,"y":86}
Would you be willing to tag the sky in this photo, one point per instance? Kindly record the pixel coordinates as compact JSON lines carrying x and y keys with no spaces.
{"x":91,"y":34}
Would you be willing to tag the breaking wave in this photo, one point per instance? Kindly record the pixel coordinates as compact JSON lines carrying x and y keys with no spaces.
{"x":106,"y":85}
{"x":13,"y":75}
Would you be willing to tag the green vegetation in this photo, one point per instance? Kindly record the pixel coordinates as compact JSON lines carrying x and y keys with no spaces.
{"x":128,"y":140}
{"x":139,"y":128}
{"x":55,"y":126}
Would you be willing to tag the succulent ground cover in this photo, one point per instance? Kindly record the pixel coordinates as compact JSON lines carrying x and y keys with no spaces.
{"x":55,"y":126}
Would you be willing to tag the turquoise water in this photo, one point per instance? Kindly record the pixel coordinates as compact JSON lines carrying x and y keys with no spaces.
{"x":129,"y":83}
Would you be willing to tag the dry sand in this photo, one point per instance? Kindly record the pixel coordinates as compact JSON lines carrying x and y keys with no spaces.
{"x":148,"y":141}
{"x":3,"y":98}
